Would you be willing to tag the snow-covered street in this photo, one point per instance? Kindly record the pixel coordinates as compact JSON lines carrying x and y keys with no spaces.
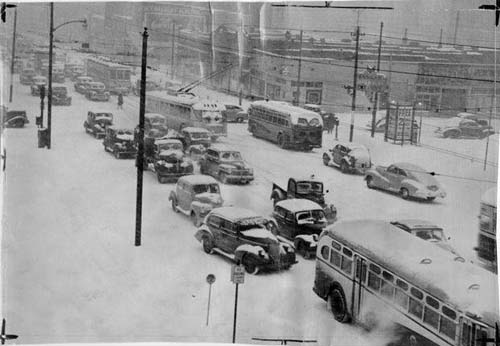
{"x":71,"y":272}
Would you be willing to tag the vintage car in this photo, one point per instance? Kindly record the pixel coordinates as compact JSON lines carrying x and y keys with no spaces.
{"x":96,"y":91}
{"x":349,"y":157}
{"x":26,"y":77}
{"x":241,"y":235}
{"x":407,"y":179}
{"x":81,"y":84}
{"x":226,"y":164}
{"x":58,"y":74}
{"x":37,"y":83}
{"x":306,"y":188}
{"x":76,"y":71}
{"x":196,"y":140}
{"x":60,"y":95}
{"x":427,"y":231}
{"x":119,"y":141}
{"x":15,"y":119}
{"x":165,"y":157}
{"x":459,"y":127}
{"x":97,"y":122}
{"x":234,"y":113}
{"x":380,"y":125}
{"x":155,"y":121}
{"x":299,"y":221}
{"x":481,"y":119}
{"x":196,"y":195}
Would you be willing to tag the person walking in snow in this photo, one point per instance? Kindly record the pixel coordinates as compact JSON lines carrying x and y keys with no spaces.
{"x":120,"y":101}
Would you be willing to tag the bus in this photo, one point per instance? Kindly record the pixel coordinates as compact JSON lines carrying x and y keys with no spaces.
{"x":114,"y":76}
{"x":372,"y":273}
{"x":487,"y":245}
{"x":186,"y":110}
{"x":286,"y":125}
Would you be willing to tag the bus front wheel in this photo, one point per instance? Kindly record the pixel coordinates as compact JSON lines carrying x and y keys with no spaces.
{"x":281,"y":141}
{"x":338,"y":304}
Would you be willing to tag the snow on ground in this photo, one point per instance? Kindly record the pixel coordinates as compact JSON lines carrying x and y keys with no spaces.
{"x":71,"y":272}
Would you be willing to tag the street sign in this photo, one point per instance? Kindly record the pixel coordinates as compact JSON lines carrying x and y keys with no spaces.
{"x":210,"y":278}
{"x":237,"y":274}
{"x":400,"y":123}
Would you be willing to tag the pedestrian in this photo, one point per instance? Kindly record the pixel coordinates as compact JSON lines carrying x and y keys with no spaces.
{"x":120,"y":101}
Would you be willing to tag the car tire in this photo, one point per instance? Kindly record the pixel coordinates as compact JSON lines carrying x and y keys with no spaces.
{"x":369,"y":182}
{"x":250,"y":267}
{"x":117,"y":154}
{"x":281,"y":141}
{"x":273,"y":228}
{"x":302,"y":250}
{"x":253,"y":131}
{"x":208,"y":244}
{"x":430,"y":199}
{"x":405,"y":194}
{"x":174,"y":205}
{"x":160,"y":179}
{"x":338,"y":305}
{"x":223,"y":178}
{"x":326,"y":160}
{"x":344,"y":167}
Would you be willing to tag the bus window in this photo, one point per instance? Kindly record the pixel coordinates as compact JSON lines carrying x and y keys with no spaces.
{"x":401,"y":298}
{"x":432,"y":302}
{"x":346,"y":265}
{"x":325,"y":250}
{"x":416,"y":308}
{"x":402,"y":284}
{"x":336,"y":245}
{"x":347,"y":252}
{"x":431,"y":317}
{"x":373,"y":281}
{"x":375,"y":269}
{"x":448,"y":327}
{"x":416,"y":293}
{"x":335,"y":258}
{"x":387,"y":290}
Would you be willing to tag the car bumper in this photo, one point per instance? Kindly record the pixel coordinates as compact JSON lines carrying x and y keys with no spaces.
{"x":238,"y":177}
{"x":285,"y":262}
{"x":429,"y":194}
{"x":173,"y":174}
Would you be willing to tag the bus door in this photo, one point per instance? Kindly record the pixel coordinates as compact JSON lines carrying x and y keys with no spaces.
{"x":358,"y":285}
{"x":473,"y":334}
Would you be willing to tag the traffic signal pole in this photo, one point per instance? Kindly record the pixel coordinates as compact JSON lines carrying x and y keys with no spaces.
{"x":140,"y":149}
{"x":354,"y":86}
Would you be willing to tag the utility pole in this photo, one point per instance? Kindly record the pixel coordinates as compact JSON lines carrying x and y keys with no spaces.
{"x":440,"y":45}
{"x":13,"y":54}
{"x":140,"y":149}
{"x":456,"y":28}
{"x":493,"y":98}
{"x":354,"y":85}
{"x":49,"y":93}
{"x":297,"y":93}
{"x":173,"y":52}
{"x":375,"y":103}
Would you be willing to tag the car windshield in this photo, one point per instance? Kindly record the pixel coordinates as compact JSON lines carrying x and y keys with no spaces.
{"x":104,"y":115}
{"x":310,"y":216}
{"x":124,"y":132}
{"x":302,"y":122}
{"x":309,"y":186}
{"x":202,"y":188}
{"x":433,"y":234}
{"x":199,"y":135}
{"x":249,"y":223}
{"x":157,"y":121}
{"x":231,"y":156}
{"x":170,"y":146}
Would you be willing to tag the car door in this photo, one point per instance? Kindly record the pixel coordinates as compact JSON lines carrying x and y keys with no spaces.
{"x":393,"y":178}
{"x":230,"y":239}
{"x":279,"y":215}
{"x":337,"y":156}
{"x":184,"y":195}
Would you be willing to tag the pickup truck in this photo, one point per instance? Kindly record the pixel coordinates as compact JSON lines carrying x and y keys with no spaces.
{"x":306,"y":188}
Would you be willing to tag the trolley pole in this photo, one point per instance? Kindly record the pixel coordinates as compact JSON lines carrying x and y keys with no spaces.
{"x":13,"y":54}
{"x":354,"y":85}
{"x":140,"y":149}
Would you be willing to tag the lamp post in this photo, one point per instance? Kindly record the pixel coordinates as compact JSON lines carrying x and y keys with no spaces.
{"x":51,"y":43}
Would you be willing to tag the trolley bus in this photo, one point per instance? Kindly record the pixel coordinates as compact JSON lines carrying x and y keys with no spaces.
{"x":185,"y":110}
{"x":487,"y":245}
{"x":372,"y":273}
{"x":114,"y":76}
{"x":287,"y":125}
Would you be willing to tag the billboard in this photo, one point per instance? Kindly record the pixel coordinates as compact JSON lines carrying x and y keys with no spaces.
{"x":400,"y":125}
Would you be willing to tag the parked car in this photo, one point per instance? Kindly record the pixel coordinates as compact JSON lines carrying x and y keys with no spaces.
{"x":380,"y":125}
{"x":464,"y":128}
{"x":226,"y":164}
{"x":407,"y":179}
{"x":26,"y":77}
{"x":96,"y":91}
{"x":150,"y":86}
{"x":427,"y":231}
{"x":60,"y":95}
{"x":481,"y":119}
{"x":241,"y":235}
{"x":97,"y":122}
{"x":166,"y":158}
{"x":15,"y":118}
{"x":299,"y":221}
{"x":234,"y":113}
{"x":119,"y":141}
{"x":196,"y":140}
{"x":155,"y":121}
{"x":349,"y":157}
{"x":195,"y":196}
{"x":37,"y":83}
{"x":306,"y":188}
{"x":81,"y":84}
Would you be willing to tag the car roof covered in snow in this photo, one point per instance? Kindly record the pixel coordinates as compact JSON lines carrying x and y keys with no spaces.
{"x":439,"y":273}
{"x":58,"y":85}
{"x":235,"y":213}
{"x":195,"y":129}
{"x":154,"y":116}
{"x":490,"y":197}
{"x":117,"y":128}
{"x":351,"y":145}
{"x":416,"y":223}
{"x":298,"y":204}
{"x":223,"y":147}
{"x":408,"y":166}
{"x":167,"y":141}
{"x":294,"y":112}
{"x":198,"y":179}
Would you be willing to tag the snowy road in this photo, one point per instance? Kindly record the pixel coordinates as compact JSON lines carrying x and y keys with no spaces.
{"x":72,"y":274}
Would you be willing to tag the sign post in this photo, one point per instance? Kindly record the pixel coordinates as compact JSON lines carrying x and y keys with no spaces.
{"x":237,"y":277}
{"x":210,"y":281}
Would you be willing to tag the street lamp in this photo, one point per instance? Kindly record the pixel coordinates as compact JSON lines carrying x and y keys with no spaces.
{"x":51,"y":43}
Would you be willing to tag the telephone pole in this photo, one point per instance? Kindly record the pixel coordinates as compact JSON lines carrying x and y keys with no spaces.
{"x":375,"y":103}
{"x":297,"y":93}
{"x":354,"y":85}
{"x":172,"y":58}
{"x":49,"y":93}
{"x":140,"y":149}
{"x":13,"y":54}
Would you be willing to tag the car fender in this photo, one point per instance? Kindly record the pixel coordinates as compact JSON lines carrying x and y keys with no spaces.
{"x":278,"y":195}
{"x":203,"y":230}
{"x":329,"y":154}
{"x":257,"y":252}
{"x":309,"y":239}
{"x":377,"y":177}
{"x":412,"y":185}
{"x":172,"y":196}
{"x":196,"y":206}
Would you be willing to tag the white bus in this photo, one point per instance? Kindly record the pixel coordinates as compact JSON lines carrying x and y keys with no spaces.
{"x":185,"y":110}
{"x":371,"y":272}
{"x":487,"y":244}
